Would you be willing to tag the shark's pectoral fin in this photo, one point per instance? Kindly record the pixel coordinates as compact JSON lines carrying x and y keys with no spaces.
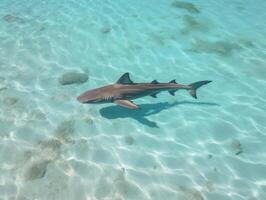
{"x":154,"y":95}
{"x":127,"y":104}
{"x":172,"y":92}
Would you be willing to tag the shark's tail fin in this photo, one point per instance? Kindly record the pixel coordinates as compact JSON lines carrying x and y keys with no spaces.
{"x":195,"y":86}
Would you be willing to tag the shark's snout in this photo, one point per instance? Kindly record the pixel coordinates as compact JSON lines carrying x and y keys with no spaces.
{"x":85,"y":97}
{"x":80,"y":99}
{"x":89,"y":97}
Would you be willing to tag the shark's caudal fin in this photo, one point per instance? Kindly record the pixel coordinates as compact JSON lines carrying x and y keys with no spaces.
{"x":195,"y":86}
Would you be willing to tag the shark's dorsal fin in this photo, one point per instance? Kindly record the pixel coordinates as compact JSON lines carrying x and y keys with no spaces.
{"x":154,"y":82}
{"x":125,"y":79}
{"x":172,"y":81}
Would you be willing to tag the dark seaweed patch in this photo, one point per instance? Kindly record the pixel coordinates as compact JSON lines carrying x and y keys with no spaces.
{"x":9,"y":101}
{"x":222,"y":48}
{"x":36,"y":171}
{"x":185,"y":5}
{"x":3,"y":88}
{"x":192,"y":24}
{"x":11,"y":18}
{"x":37,"y":160}
{"x":65,"y":131}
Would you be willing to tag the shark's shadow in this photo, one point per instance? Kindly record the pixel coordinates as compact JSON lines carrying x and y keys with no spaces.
{"x":114,"y":112}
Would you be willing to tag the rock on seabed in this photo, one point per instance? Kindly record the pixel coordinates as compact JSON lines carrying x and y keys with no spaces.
{"x":73,"y":78}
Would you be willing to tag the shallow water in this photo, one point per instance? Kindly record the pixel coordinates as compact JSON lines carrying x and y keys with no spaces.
{"x":53,"y":147}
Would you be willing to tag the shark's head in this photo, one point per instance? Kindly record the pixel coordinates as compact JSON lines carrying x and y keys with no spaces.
{"x":92,"y":96}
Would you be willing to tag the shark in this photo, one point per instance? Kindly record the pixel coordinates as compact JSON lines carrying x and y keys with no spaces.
{"x":125,"y":90}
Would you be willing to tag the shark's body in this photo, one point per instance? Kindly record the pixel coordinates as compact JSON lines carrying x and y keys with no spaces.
{"x":124,"y":90}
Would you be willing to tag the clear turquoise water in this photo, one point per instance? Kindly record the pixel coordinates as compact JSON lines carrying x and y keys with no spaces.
{"x":53,"y":147}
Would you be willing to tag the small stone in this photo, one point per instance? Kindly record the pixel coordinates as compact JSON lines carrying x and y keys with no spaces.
{"x":73,"y":78}
{"x":88,"y":119}
{"x":37,"y":115}
{"x":83,"y":141}
{"x":210,"y":156}
{"x":190,"y":193}
{"x":9,"y":18}
{"x":69,"y":140}
{"x":42,"y":28}
{"x":209,"y":186}
{"x":236,"y":147}
{"x":106,"y":30}
{"x":129,"y":140}
{"x":21,"y":197}
{"x":121,"y":174}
